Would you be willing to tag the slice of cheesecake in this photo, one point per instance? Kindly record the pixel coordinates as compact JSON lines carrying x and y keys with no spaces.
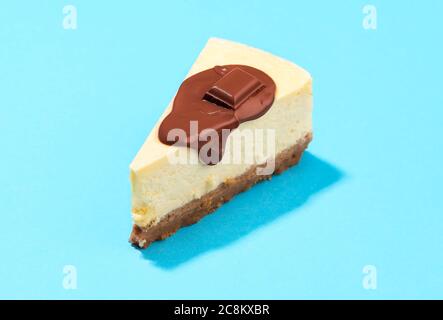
{"x":168,"y":193}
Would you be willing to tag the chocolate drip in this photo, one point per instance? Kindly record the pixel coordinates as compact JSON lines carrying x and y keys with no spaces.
{"x":210,"y":104}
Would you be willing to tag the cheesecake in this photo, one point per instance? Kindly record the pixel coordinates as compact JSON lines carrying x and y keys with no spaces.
{"x":240,"y":116}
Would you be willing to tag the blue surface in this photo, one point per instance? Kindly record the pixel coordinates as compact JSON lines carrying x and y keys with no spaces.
{"x":75,"y":106}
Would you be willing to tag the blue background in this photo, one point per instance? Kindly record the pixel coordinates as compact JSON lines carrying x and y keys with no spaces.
{"x":75,"y":106}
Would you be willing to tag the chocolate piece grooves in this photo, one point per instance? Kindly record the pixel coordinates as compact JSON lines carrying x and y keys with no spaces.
{"x":218,"y":99}
{"x":195,"y":210}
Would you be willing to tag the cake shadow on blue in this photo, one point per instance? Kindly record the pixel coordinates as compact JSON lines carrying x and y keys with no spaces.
{"x":261,"y":205}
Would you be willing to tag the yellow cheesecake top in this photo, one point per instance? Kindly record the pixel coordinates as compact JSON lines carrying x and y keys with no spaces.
{"x":288,"y":77}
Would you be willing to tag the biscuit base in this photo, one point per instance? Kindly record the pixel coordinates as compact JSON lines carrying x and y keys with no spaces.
{"x":195,"y":210}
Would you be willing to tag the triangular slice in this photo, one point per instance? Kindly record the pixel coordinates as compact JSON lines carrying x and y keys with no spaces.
{"x":168,"y":194}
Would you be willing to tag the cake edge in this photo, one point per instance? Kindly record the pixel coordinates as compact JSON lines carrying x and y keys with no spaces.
{"x":196,"y":209}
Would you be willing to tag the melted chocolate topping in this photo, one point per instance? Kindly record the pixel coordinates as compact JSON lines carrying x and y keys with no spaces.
{"x":218,"y":99}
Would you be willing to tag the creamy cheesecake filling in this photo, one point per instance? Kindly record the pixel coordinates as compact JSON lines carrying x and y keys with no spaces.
{"x":170,"y":186}
{"x":159,"y":187}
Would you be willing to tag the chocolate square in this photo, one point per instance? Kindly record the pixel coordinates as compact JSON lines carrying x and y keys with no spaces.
{"x":233,"y":89}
